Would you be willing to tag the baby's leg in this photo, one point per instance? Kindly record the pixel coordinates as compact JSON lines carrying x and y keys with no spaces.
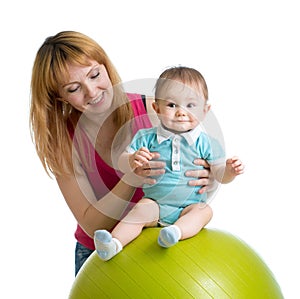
{"x":144,"y":214}
{"x":192,"y":219}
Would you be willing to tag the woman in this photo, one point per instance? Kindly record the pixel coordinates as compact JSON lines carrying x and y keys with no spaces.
{"x":81,"y":120}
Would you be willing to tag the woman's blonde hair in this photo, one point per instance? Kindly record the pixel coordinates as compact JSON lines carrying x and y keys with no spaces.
{"x":49,"y":116}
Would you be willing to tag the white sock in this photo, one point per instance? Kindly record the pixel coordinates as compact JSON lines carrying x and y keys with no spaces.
{"x":106,"y":246}
{"x":169,"y":236}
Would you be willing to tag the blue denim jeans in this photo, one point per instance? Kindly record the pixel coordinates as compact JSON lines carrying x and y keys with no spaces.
{"x":81,"y":255}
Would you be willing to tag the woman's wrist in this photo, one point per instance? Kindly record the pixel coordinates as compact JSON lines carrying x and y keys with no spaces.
{"x":114,"y":203}
{"x":131,"y":179}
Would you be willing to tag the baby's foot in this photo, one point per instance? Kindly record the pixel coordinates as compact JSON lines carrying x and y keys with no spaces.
{"x":106,"y":245}
{"x":169,"y":236}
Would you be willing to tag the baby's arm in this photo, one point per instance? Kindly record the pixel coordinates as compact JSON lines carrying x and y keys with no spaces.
{"x":225,"y":173}
{"x":130,"y":161}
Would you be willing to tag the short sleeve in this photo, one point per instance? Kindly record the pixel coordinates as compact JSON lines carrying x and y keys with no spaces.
{"x":211,"y":150}
{"x":140,"y":139}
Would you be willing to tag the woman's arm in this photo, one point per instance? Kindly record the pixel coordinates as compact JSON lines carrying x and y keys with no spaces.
{"x":94,"y":213}
{"x":90,"y":213}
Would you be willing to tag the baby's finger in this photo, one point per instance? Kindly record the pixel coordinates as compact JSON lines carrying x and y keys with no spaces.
{"x":239,"y":169}
{"x":145,"y":155}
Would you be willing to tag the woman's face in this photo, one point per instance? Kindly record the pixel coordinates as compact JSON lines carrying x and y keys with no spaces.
{"x":88,"y":88}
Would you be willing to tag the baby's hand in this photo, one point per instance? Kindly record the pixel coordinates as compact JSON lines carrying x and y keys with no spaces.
{"x":140,"y":158}
{"x":235,"y":166}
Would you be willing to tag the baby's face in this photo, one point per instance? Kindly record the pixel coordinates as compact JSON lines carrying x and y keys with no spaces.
{"x":180,"y":107}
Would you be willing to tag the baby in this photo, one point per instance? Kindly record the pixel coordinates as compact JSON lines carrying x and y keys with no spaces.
{"x":181,"y":104}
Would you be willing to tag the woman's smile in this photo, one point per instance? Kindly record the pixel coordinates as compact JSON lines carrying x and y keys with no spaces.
{"x":97,"y":100}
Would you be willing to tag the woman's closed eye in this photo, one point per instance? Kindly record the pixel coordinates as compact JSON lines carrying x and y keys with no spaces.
{"x":73,"y":89}
{"x":95,"y":76}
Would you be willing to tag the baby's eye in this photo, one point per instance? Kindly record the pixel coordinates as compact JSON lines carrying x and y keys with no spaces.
{"x":171,"y":105}
{"x":191,"y":105}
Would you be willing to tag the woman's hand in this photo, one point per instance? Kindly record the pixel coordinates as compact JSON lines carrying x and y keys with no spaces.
{"x":204,"y":177}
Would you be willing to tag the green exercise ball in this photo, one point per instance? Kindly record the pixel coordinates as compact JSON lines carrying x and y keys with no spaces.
{"x":213,"y":264}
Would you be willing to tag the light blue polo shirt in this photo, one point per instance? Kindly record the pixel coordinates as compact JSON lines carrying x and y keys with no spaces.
{"x":178,"y":151}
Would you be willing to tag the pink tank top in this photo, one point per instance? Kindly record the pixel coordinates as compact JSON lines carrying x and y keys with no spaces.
{"x":103,"y":177}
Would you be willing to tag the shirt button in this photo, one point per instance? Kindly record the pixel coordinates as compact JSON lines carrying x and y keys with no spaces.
{"x":175,"y":162}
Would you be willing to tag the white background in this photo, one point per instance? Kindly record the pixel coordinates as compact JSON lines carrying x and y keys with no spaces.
{"x":248,"y":52}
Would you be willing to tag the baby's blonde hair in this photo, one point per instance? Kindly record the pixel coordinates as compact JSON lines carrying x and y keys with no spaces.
{"x":183,"y":74}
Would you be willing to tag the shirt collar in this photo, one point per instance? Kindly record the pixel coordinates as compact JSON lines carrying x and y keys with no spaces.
{"x":190,"y":136}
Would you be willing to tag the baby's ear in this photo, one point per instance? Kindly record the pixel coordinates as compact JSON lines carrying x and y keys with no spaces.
{"x":155,"y":107}
{"x":207,"y":107}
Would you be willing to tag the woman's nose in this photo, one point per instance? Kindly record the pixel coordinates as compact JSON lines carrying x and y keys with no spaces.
{"x":90,"y":90}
